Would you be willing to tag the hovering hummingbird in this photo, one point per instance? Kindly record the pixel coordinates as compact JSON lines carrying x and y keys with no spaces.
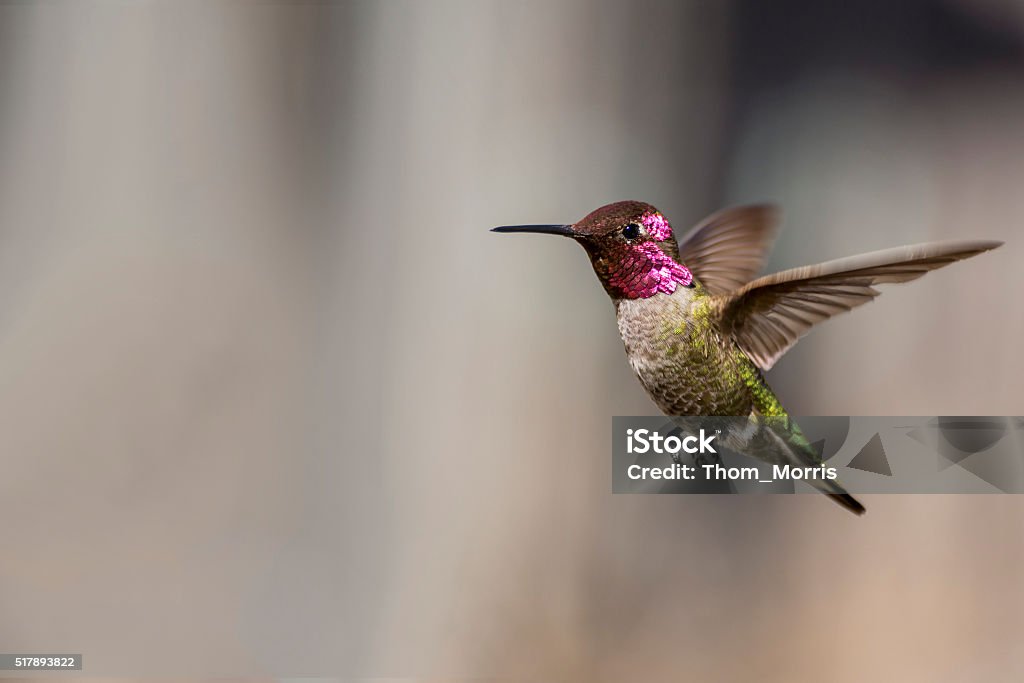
{"x":699,"y":331}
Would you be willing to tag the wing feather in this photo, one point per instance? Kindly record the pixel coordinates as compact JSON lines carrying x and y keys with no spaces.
{"x":727,"y":249}
{"x":767,"y":316}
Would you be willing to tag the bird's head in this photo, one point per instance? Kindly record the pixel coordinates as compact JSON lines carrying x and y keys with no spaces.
{"x":631,"y":247}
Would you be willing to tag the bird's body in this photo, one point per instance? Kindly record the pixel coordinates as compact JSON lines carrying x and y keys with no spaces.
{"x":699,"y":330}
{"x":684,"y":360}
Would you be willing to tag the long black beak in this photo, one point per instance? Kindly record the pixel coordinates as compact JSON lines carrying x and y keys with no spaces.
{"x":563,"y":230}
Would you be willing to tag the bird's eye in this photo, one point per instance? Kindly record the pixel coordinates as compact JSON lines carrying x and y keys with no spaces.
{"x":631,"y":231}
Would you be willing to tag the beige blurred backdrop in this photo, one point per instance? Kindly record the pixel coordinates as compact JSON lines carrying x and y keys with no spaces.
{"x":273,"y":402}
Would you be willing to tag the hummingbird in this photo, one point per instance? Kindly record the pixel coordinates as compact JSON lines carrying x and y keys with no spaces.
{"x":700,"y":331}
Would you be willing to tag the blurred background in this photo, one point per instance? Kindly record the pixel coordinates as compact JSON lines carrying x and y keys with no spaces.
{"x":273,"y":401}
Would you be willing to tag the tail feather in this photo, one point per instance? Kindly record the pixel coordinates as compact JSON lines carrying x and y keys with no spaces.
{"x":848,"y":502}
{"x":794,"y":446}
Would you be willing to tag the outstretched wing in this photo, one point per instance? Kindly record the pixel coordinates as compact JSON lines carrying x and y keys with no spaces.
{"x":727,"y":249}
{"x":767,"y":316}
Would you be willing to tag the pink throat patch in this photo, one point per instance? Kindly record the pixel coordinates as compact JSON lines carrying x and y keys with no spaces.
{"x":643,"y":270}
